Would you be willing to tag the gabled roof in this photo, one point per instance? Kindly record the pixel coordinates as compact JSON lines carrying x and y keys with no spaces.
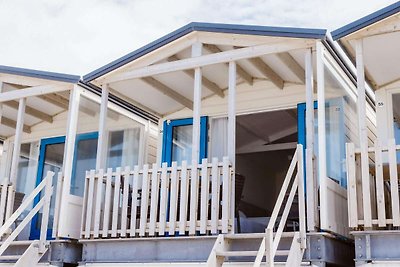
{"x":207,"y":27}
{"x":40,"y":74}
{"x":366,"y":21}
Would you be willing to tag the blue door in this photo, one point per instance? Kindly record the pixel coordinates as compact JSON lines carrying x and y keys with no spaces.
{"x":177,"y":140}
{"x":51,"y":159}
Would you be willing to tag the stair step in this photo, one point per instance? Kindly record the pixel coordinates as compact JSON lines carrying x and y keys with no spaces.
{"x":20,"y":243}
{"x":10,"y":257}
{"x":254,"y":235}
{"x":248,"y":253}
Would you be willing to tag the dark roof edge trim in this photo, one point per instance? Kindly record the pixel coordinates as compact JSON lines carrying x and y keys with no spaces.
{"x":61,"y":77}
{"x":206,"y":27}
{"x":366,"y":21}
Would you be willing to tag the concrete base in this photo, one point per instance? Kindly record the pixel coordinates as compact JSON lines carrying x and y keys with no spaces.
{"x":377,"y":247}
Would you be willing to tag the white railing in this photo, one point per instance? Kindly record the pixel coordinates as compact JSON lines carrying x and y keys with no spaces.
{"x":294,"y":182}
{"x":45,"y":189}
{"x":6,"y":200}
{"x":158,"y":201}
{"x":373,"y":188}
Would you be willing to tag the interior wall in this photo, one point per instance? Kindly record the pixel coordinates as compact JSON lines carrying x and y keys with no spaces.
{"x":264,"y":173}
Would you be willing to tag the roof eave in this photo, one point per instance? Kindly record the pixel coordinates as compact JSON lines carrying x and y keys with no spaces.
{"x":366,"y":21}
{"x":206,"y":27}
{"x":60,"y":77}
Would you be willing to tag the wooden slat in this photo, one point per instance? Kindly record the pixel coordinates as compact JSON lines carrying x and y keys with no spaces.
{"x":135,"y":187}
{"x":183,"y":198}
{"x":89,"y":210}
{"x":215,"y":185}
{"x":154,"y":194}
{"x":144,"y":201}
{"x":194,"y":189}
{"x":351,"y":185}
{"x":115,"y":210}
{"x":107,"y":203}
{"x":99,"y":195}
{"x":84,"y":206}
{"x":3,"y":200}
{"x":394,"y":185}
{"x":125,"y":194}
{"x":380,"y":192}
{"x":57,"y":204}
{"x":204,"y":197}
{"x":163,"y":198}
{"x":173,"y":199}
{"x":225,"y":195}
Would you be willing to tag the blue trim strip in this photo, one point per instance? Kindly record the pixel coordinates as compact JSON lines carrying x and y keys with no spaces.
{"x":366,"y":21}
{"x":40,"y":74}
{"x":206,"y":27}
{"x":167,"y":137}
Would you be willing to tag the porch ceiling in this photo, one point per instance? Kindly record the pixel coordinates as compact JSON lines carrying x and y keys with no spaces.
{"x":381,"y":39}
{"x":41,"y":106}
{"x":169,"y":91}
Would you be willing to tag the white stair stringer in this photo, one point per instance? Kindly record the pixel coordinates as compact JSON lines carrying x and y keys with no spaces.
{"x":31,"y":256}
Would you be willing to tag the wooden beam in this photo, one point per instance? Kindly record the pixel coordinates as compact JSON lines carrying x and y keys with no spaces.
{"x":292,"y":64}
{"x":168,"y":91}
{"x":253,"y":148}
{"x":206,"y":82}
{"x":55,"y":100}
{"x":232,"y":113}
{"x":226,"y":56}
{"x":133,"y":102}
{"x":31,"y":111}
{"x":12,"y":124}
{"x":266,"y":70}
{"x":31,"y":91}
{"x":240,"y":71}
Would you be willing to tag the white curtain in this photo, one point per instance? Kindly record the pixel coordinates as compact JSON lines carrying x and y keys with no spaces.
{"x":130,"y":147}
{"x":219,"y":138}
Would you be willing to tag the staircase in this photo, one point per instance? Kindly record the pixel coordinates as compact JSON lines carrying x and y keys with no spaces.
{"x":275,"y":247}
{"x":26,"y":253}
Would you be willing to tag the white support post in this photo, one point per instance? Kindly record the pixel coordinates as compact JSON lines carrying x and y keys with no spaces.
{"x":232,"y":113}
{"x":309,"y":155}
{"x":321,"y":137}
{"x":196,"y":52}
{"x":17,"y":141}
{"x":232,"y":133}
{"x":103,"y":137}
{"x":72,"y":125}
{"x":1,"y":104}
{"x":362,"y":132}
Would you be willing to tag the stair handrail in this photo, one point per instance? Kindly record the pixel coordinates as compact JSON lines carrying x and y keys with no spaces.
{"x":44,"y":202}
{"x":271,"y":241}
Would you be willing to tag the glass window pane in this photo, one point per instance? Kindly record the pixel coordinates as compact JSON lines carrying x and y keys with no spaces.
{"x":85,"y":160}
{"x":182,"y":143}
{"x":396,"y":117}
{"x":123,"y":149}
{"x":53,"y":161}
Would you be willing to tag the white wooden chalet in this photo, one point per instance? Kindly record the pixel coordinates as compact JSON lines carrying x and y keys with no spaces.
{"x":214,"y":145}
{"x":373,"y":44}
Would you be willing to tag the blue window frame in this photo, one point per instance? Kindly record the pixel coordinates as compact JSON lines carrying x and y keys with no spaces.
{"x":168,"y":132}
{"x":35,"y":229}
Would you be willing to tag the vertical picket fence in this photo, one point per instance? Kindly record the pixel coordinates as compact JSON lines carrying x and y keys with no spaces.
{"x":373,"y":199}
{"x":176,"y":200}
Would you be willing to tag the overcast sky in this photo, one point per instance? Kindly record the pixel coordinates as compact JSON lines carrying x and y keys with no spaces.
{"x":78,"y":36}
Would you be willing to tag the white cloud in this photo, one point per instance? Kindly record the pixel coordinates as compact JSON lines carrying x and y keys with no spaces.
{"x":78,"y":36}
